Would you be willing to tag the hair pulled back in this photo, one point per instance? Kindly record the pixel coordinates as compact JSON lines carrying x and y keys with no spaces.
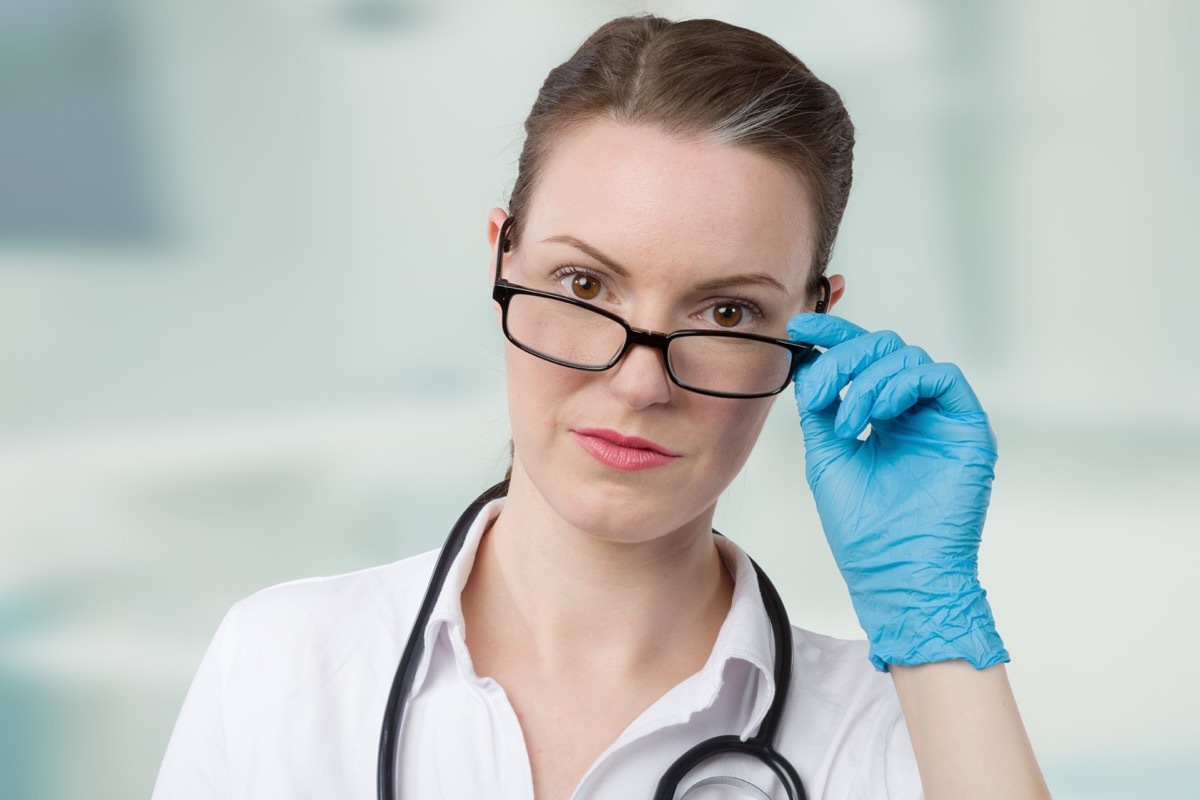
{"x":699,"y":78}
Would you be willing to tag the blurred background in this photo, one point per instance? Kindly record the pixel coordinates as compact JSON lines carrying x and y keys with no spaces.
{"x":246,"y":334}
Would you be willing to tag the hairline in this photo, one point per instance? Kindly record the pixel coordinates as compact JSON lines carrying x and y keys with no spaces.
{"x":687,"y":134}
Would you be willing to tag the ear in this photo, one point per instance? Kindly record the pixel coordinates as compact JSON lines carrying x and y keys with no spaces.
{"x":495,"y":220}
{"x":837,"y":287}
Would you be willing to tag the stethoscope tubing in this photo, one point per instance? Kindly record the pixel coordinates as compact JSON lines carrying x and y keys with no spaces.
{"x":759,"y":746}
{"x":406,"y":670}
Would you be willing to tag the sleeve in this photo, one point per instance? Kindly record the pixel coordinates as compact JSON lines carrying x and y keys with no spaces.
{"x":195,"y":764}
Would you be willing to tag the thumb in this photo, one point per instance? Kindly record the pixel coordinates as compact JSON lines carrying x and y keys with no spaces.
{"x":822,"y":446}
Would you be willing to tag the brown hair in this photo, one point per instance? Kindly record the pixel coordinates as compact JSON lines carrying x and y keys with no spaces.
{"x":700,"y":78}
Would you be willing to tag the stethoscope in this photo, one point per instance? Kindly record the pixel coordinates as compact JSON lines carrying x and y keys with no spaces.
{"x":759,"y":746}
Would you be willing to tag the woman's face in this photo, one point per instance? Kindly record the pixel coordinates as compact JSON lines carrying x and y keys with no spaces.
{"x":670,"y":233}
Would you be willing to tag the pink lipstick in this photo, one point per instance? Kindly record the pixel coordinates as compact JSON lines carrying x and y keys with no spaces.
{"x":626,"y":453}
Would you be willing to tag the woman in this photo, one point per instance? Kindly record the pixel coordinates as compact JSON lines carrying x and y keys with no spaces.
{"x":675,"y":177}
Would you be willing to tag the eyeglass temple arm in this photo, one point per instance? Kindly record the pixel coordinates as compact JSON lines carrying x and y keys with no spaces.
{"x":822,"y":307}
{"x":503,"y":244}
{"x":822,"y":304}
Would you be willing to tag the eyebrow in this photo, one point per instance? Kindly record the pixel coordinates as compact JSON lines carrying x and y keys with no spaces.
{"x":751,"y":278}
{"x":591,"y":251}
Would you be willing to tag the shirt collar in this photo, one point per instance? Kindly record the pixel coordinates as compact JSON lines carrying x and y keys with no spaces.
{"x":744,"y":635}
{"x":447,"y":612}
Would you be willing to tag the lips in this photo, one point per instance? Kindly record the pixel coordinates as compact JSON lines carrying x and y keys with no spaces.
{"x":625,"y":453}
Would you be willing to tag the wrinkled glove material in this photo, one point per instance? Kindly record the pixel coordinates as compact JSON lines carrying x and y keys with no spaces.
{"x":903,"y":508}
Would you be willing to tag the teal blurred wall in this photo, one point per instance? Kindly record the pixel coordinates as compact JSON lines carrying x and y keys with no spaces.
{"x":246,"y":335}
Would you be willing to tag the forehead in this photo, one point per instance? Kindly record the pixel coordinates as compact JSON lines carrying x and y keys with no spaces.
{"x":689,"y":207}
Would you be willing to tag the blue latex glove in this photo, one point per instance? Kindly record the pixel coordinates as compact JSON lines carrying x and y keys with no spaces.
{"x":903,"y":509}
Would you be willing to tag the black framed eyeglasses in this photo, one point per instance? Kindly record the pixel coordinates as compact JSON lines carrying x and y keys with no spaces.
{"x":574,"y":333}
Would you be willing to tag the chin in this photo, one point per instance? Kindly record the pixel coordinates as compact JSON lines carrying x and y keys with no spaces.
{"x":626,"y":507}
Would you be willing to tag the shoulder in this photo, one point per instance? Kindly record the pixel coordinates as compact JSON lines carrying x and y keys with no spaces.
{"x":818,"y":650}
{"x":840,"y":706}
{"x":309,"y":656}
{"x":328,"y":613}
{"x":380,"y":588}
{"x":839,"y":669}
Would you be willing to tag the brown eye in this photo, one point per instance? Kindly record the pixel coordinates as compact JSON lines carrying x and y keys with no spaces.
{"x":727,"y":316}
{"x":585,"y":286}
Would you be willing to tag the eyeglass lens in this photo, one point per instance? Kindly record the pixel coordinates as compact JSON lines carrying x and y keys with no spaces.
{"x":576,"y":336}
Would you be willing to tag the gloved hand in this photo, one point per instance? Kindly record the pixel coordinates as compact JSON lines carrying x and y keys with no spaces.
{"x":903,"y":509}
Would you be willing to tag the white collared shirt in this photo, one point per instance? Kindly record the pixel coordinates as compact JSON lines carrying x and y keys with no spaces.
{"x":289,"y":699}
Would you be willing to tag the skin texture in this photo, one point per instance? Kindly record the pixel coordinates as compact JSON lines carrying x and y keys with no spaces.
{"x":967,"y":733}
{"x":574,"y":602}
{"x":648,"y":202}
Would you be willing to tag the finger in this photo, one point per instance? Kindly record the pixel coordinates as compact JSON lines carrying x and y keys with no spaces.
{"x":940,"y":383}
{"x":860,"y":398}
{"x":824,"y":378}
{"x":821,"y":444}
{"x":818,"y":425}
{"x":822,"y":330}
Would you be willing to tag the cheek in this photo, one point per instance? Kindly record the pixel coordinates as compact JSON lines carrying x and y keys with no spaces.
{"x":536,"y":389}
{"x":730,"y":429}
{"x":735,"y":426}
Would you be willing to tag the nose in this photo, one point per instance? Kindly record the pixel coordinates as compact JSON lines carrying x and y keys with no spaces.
{"x":640,"y":379}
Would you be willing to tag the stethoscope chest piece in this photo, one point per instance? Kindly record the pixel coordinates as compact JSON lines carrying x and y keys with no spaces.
{"x":724,"y":788}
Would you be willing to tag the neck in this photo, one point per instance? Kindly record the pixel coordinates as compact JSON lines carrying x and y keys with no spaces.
{"x":565,"y":596}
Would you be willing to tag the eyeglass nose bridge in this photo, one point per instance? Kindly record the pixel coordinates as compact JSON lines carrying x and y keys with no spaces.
{"x":645,"y":338}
